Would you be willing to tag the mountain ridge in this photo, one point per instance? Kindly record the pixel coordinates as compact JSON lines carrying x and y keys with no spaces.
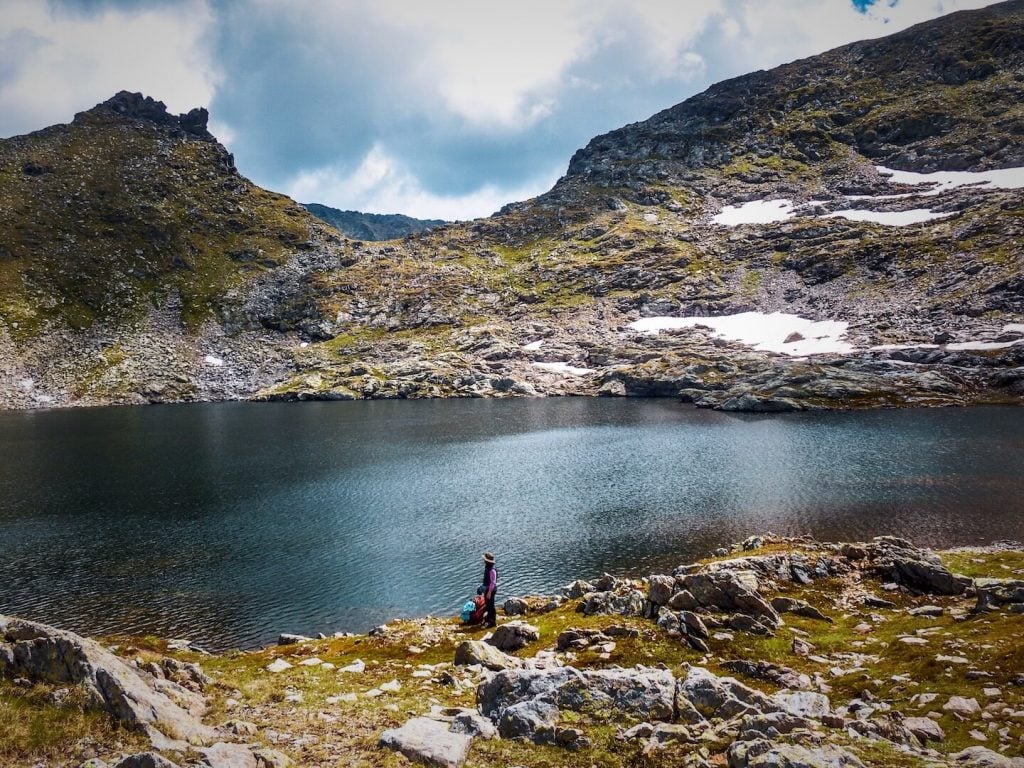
{"x":542,"y":298}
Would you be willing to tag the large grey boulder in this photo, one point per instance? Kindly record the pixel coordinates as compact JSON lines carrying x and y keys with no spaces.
{"x":513,"y":636}
{"x":924,"y":728}
{"x":766,"y":754}
{"x":711,"y":696}
{"x":532,"y":720}
{"x":660,"y":588}
{"x":625,"y":602}
{"x":995,"y":593}
{"x":429,"y":742}
{"x":898,"y":560}
{"x":643,"y":694}
{"x":45,"y":654}
{"x":477,"y":652}
{"x":727,"y":591}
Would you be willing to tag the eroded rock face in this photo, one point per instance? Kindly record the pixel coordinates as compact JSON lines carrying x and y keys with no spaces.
{"x":42,"y":653}
{"x":900,"y":561}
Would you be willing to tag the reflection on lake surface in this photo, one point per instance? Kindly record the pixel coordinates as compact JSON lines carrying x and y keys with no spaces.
{"x":229,"y":523}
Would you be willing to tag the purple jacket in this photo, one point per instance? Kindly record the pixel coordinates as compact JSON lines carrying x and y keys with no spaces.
{"x":491,"y":579}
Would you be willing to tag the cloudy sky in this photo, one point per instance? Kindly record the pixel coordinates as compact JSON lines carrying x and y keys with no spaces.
{"x":433,"y":108}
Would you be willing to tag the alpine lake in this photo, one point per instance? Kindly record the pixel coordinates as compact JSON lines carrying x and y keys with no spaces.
{"x":229,"y":523}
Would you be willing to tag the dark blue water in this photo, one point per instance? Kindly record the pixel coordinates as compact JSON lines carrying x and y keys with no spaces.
{"x":229,"y":523}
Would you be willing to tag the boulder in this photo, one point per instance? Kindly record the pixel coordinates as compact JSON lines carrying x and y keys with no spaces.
{"x":961,"y":705}
{"x":660,"y":588}
{"x":798,"y":607}
{"x":224,"y":755}
{"x":578,"y":589}
{"x":575,"y":639}
{"x":533,"y":720}
{"x":515,"y":606}
{"x":924,"y":728}
{"x":900,"y":561}
{"x":731,"y":591}
{"x":772,"y":724}
{"x":289,"y":639}
{"x":995,"y":593}
{"x":774,"y":673}
{"x":513,"y":636}
{"x":683,"y":601}
{"x":472,"y":723}
{"x":428,"y":742}
{"x":271,"y":758}
{"x":146,"y":760}
{"x":722,"y":697}
{"x":804,"y":703}
{"x":981,"y":757}
{"x":693,"y":624}
{"x":766,"y":754}
{"x":627,"y":602}
{"x":643,"y":694}
{"x":42,"y":653}
{"x":477,"y":652}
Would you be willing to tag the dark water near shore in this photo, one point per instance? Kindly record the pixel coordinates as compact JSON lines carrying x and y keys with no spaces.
{"x":229,"y":523}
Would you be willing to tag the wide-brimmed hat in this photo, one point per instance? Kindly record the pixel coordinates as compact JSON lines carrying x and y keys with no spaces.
{"x":488,"y":558}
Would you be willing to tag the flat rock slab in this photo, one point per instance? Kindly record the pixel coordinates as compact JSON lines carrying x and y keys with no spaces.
{"x":429,"y":742}
{"x":224,"y":755}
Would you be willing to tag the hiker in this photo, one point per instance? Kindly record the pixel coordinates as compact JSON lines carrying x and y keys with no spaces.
{"x":490,"y":585}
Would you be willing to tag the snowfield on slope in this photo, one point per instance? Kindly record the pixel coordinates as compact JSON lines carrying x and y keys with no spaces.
{"x":776,"y":332}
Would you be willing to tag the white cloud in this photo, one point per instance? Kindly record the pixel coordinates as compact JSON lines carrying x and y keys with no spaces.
{"x":68,"y":62}
{"x":382,"y":185}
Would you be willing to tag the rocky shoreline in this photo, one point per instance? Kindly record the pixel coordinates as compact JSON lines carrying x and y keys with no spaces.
{"x":775,"y":652}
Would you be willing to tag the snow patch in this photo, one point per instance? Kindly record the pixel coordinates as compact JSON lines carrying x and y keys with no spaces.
{"x":563,"y":368}
{"x":27,"y":384}
{"x":211,"y":360}
{"x":982,"y":345}
{"x":533,"y":346}
{"x":890,"y":218}
{"x":1014,"y":328}
{"x":755,"y":212}
{"x":765,"y":332}
{"x":1005,"y":178}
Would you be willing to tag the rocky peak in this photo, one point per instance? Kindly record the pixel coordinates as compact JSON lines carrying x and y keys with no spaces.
{"x":135,"y":106}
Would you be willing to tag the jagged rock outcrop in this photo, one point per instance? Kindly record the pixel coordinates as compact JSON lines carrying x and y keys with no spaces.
{"x":41,"y":653}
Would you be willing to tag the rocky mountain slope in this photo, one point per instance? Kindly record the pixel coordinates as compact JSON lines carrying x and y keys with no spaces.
{"x":792,"y":653}
{"x":371,"y":226}
{"x":137,"y":265}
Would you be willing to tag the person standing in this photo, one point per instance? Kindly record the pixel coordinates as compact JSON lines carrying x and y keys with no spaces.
{"x":490,"y":585}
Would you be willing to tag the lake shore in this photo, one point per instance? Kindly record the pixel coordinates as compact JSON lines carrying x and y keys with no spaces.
{"x":780,"y":649}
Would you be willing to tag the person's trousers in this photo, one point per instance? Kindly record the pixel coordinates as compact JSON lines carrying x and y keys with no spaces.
{"x":492,"y":611}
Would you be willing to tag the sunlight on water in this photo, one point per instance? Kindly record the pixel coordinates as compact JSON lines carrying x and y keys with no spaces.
{"x":230,"y":523}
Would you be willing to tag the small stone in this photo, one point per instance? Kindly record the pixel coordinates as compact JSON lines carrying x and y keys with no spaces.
{"x":962,"y":706}
{"x":913,"y":641}
{"x":287,"y":639}
{"x":313,"y":662}
{"x":356,"y":667}
{"x":951,"y":659}
{"x":992,"y":693}
{"x":373,"y":693}
{"x":278,"y":665}
{"x":392,"y":686}
{"x":932,"y":611}
{"x":924,"y":728}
